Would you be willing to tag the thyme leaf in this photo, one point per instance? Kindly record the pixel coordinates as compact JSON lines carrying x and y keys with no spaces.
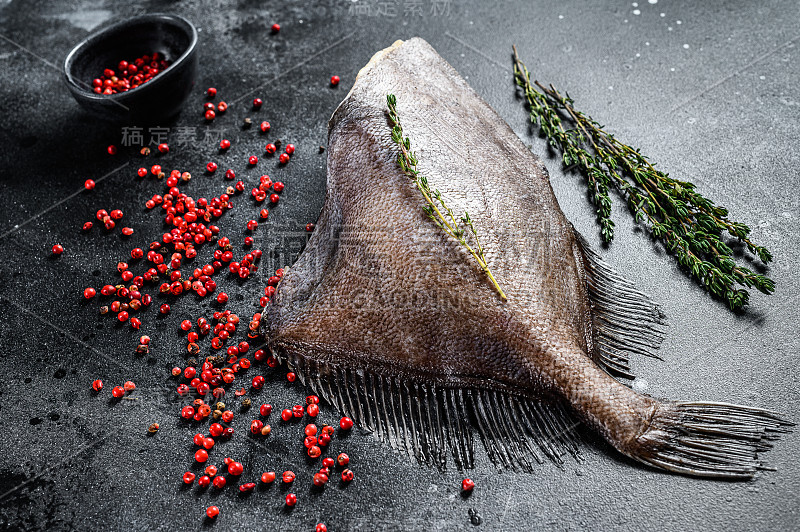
{"x":460,"y":228}
{"x":690,"y":226}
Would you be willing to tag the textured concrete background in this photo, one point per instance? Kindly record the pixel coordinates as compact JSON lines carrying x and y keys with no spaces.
{"x":709,"y":90}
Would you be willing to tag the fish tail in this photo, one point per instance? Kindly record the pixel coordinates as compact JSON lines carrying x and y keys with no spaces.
{"x":697,"y":438}
{"x":705,"y":439}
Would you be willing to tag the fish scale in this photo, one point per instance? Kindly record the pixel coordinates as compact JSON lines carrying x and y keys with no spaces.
{"x":400,"y":329}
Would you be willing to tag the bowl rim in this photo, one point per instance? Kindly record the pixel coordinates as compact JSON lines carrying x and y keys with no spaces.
{"x":95,"y":36}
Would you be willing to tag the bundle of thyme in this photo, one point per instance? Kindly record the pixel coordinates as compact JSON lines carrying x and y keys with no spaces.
{"x":689,"y":225}
{"x":462,"y":228}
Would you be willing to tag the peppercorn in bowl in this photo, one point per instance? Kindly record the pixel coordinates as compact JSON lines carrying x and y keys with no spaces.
{"x":140,"y":70}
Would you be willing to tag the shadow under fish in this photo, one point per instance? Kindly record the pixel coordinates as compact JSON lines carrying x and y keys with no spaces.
{"x":391,"y":320}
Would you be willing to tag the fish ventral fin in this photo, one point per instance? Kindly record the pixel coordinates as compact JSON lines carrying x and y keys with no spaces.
{"x":429,"y":422}
{"x":625,"y":321}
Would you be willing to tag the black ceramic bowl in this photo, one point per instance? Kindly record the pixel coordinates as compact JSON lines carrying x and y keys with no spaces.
{"x":160,"y":98}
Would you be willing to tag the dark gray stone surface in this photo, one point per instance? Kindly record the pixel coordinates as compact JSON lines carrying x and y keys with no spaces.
{"x":708,"y":90}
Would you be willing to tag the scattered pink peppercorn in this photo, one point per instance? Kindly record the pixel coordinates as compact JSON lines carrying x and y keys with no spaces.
{"x":212,"y":512}
{"x":321,"y":528}
{"x":163,"y":147}
{"x":211,"y":92}
{"x":342,"y":459}
{"x":89,"y":293}
{"x":204,"y":481}
{"x":118,"y":391}
{"x":257,"y":103}
{"x":467,"y":485}
{"x":58,"y":249}
{"x":314,"y":451}
{"x":335,"y":80}
{"x":253,"y":160}
{"x":211,"y":167}
{"x":235,"y":468}
{"x":89,"y":184}
{"x":346,"y":423}
{"x":264,"y":127}
{"x":268,"y":477}
{"x":224,"y":144}
{"x":219,"y":482}
{"x":188,"y":477}
{"x":347,"y":475}
{"x":283,"y":158}
{"x":210,"y":115}
{"x":112,"y":150}
{"x":129,"y":386}
{"x":276,"y":28}
{"x":201,"y":455}
{"x":97,"y":385}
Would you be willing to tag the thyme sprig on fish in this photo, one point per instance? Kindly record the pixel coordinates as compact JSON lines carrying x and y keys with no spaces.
{"x":689,"y":225}
{"x":461,"y":228}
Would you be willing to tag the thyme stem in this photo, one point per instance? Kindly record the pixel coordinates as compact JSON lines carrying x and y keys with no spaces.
{"x":689,"y":225}
{"x":458,"y":229}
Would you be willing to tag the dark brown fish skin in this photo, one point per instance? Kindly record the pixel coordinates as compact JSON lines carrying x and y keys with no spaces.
{"x":536,"y":342}
{"x":380,"y":287}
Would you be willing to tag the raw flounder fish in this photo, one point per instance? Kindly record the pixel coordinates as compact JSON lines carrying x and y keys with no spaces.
{"x":391,"y":320}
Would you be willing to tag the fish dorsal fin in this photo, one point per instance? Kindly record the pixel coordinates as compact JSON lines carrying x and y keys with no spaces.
{"x":624,"y":320}
{"x":426,"y":420}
